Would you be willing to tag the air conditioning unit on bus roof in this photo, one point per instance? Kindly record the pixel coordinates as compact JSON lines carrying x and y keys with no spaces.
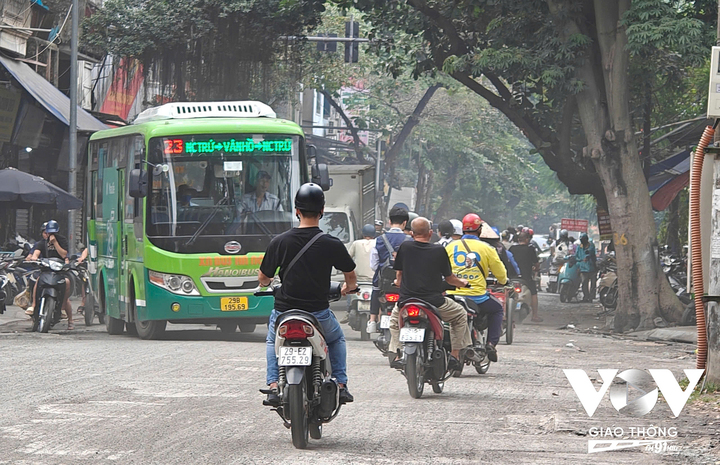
{"x":185,"y":110}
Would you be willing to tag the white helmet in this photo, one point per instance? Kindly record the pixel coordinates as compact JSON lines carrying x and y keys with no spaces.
{"x":457,"y":227}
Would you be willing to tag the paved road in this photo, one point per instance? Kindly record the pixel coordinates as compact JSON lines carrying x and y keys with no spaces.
{"x":81,"y":396}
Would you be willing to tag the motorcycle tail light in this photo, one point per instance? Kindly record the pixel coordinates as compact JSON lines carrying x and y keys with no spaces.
{"x":392,"y":297}
{"x":295,"y":330}
{"x":518,"y":288}
{"x":413,"y":311}
{"x":366,"y":296}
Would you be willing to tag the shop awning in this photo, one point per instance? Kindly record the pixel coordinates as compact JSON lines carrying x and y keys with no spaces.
{"x":54,"y":101}
{"x":668,"y":178}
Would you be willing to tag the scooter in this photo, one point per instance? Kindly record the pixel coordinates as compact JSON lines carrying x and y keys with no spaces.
{"x":607,"y":284}
{"x":360,"y":310}
{"x":50,"y":294}
{"x":554,"y":273}
{"x":569,"y":280}
{"x":388,"y":300}
{"x":310,"y":397}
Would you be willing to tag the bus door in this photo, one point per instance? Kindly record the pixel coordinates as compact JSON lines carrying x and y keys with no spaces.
{"x":121,"y":245}
{"x":109,"y":250}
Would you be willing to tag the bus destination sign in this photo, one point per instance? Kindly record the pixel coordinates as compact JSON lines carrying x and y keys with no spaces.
{"x":233,"y":146}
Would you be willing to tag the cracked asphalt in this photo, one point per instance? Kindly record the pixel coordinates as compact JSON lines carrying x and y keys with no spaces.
{"x":80,"y":396}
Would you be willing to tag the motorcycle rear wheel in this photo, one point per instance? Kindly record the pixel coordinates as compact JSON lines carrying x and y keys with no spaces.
{"x":298,"y":416}
{"x":415,"y":375}
{"x":563,"y":291}
{"x":362,"y":321}
{"x":47,"y":308}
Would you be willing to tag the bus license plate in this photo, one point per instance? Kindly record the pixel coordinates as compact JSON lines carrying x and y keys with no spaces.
{"x":294,"y":356}
{"x":385,"y":322}
{"x":233,"y":304}
{"x":412,"y":334}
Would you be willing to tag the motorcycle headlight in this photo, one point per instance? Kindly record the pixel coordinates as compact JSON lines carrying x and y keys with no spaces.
{"x":56,"y":266}
{"x":175,"y":283}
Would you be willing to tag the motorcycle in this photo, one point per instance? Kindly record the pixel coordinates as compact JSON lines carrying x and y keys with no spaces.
{"x":310,"y":397}
{"x":554,"y":274}
{"x":360,"y":310}
{"x":517,"y":307}
{"x":387,"y":303}
{"x":569,"y":280}
{"x":50,"y":294}
{"x":607,"y":284}
{"x":426,"y":344}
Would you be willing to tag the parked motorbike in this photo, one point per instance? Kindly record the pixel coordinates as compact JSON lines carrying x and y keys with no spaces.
{"x":426,"y":344}
{"x":50,"y":294}
{"x":553,"y":274}
{"x":607,"y":284}
{"x":360,"y":310}
{"x":310,"y":397}
{"x":569,"y":280}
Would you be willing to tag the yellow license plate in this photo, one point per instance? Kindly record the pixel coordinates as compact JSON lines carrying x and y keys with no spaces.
{"x":233,"y":304}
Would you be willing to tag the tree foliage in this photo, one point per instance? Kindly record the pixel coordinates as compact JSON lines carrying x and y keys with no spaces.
{"x":208,"y":49}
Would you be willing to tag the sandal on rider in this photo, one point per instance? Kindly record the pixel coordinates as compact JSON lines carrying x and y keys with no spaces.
{"x":80,"y":309}
{"x":536,"y":319}
{"x":71,"y":326}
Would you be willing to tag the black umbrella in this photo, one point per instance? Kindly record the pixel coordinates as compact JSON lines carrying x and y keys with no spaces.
{"x":23,"y":188}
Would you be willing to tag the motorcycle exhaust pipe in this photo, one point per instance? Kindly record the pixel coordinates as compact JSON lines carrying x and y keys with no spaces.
{"x":329,"y":398}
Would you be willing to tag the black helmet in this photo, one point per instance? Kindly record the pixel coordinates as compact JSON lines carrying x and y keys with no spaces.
{"x":368,"y":230}
{"x":446,"y":228}
{"x":411,"y":217}
{"x":310,"y":198}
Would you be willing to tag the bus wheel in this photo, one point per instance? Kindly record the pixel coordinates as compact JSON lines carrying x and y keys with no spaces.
{"x":227,"y":328}
{"x":150,"y":329}
{"x":113,"y":325}
{"x":247,"y":328}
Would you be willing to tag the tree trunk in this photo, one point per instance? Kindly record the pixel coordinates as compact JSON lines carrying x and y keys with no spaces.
{"x":447,"y":191}
{"x":644,"y":293}
{"x":673,"y":226}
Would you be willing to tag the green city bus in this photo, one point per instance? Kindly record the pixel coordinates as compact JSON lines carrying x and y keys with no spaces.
{"x":181,"y":206}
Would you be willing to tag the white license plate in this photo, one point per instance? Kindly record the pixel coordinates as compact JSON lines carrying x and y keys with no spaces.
{"x":412,"y":334}
{"x":553,"y":278}
{"x":364,"y":306}
{"x":385,"y":322}
{"x":294,"y":356}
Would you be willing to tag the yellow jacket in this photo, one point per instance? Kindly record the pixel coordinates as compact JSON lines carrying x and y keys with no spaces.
{"x":465,"y":265}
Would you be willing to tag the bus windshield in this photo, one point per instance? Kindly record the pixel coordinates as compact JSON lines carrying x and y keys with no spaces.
{"x":219,"y":186}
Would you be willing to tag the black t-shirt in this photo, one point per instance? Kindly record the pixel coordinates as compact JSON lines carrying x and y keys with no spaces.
{"x":526,"y":257}
{"x":307,"y":285}
{"x":49,"y":251}
{"x":424,"y":268}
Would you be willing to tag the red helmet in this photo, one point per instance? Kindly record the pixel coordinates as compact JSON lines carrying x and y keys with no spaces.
{"x":531,"y":232}
{"x":471,"y":222}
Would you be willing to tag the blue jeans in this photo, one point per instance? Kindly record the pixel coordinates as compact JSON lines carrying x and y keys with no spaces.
{"x":334,"y":338}
{"x":494,"y":310}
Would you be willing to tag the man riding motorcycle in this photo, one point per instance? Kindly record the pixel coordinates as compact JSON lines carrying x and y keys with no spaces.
{"x":307,"y":284}
{"x":471,"y":259}
{"x":380,"y":256}
{"x":420,"y":268}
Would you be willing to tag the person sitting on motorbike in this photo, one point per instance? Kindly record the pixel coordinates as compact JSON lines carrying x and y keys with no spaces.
{"x":381,"y":257}
{"x":527,"y":260}
{"x":586,"y":257}
{"x":446,"y":229}
{"x":420,"y":268}
{"x":54,"y":245}
{"x":360,"y":253}
{"x":306,"y":286}
{"x":472,"y":258}
{"x":457,"y":229}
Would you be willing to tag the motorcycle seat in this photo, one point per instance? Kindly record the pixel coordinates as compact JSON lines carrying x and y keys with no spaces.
{"x":299,"y":313}
{"x":414,"y":300}
{"x":469,"y":304}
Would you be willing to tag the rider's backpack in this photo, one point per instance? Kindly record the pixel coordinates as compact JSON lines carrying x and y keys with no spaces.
{"x":386,"y":270}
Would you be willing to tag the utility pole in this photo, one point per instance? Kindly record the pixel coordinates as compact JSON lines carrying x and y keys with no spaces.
{"x":72,"y":138}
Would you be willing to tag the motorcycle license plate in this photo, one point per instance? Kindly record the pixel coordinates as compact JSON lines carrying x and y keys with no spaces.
{"x":385,"y":322}
{"x":412,"y":334}
{"x":553,"y":278}
{"x":294,"y":356}
{"x":233,"y":304}
{"x":364,"y":306}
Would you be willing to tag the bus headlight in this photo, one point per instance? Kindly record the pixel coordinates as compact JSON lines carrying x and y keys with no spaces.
{"x":175,"y":283}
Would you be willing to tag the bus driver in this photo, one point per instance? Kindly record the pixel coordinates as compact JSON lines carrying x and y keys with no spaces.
{"x":261,"y":199}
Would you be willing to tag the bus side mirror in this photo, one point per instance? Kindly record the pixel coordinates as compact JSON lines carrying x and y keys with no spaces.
{"x":321,"y":176}
{"x":137,"y":183}
{"x":311,"y":152}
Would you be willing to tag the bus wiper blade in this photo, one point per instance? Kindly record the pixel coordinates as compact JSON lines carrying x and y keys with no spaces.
{"x":264,"y":228}
{"x":207,"y":221}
